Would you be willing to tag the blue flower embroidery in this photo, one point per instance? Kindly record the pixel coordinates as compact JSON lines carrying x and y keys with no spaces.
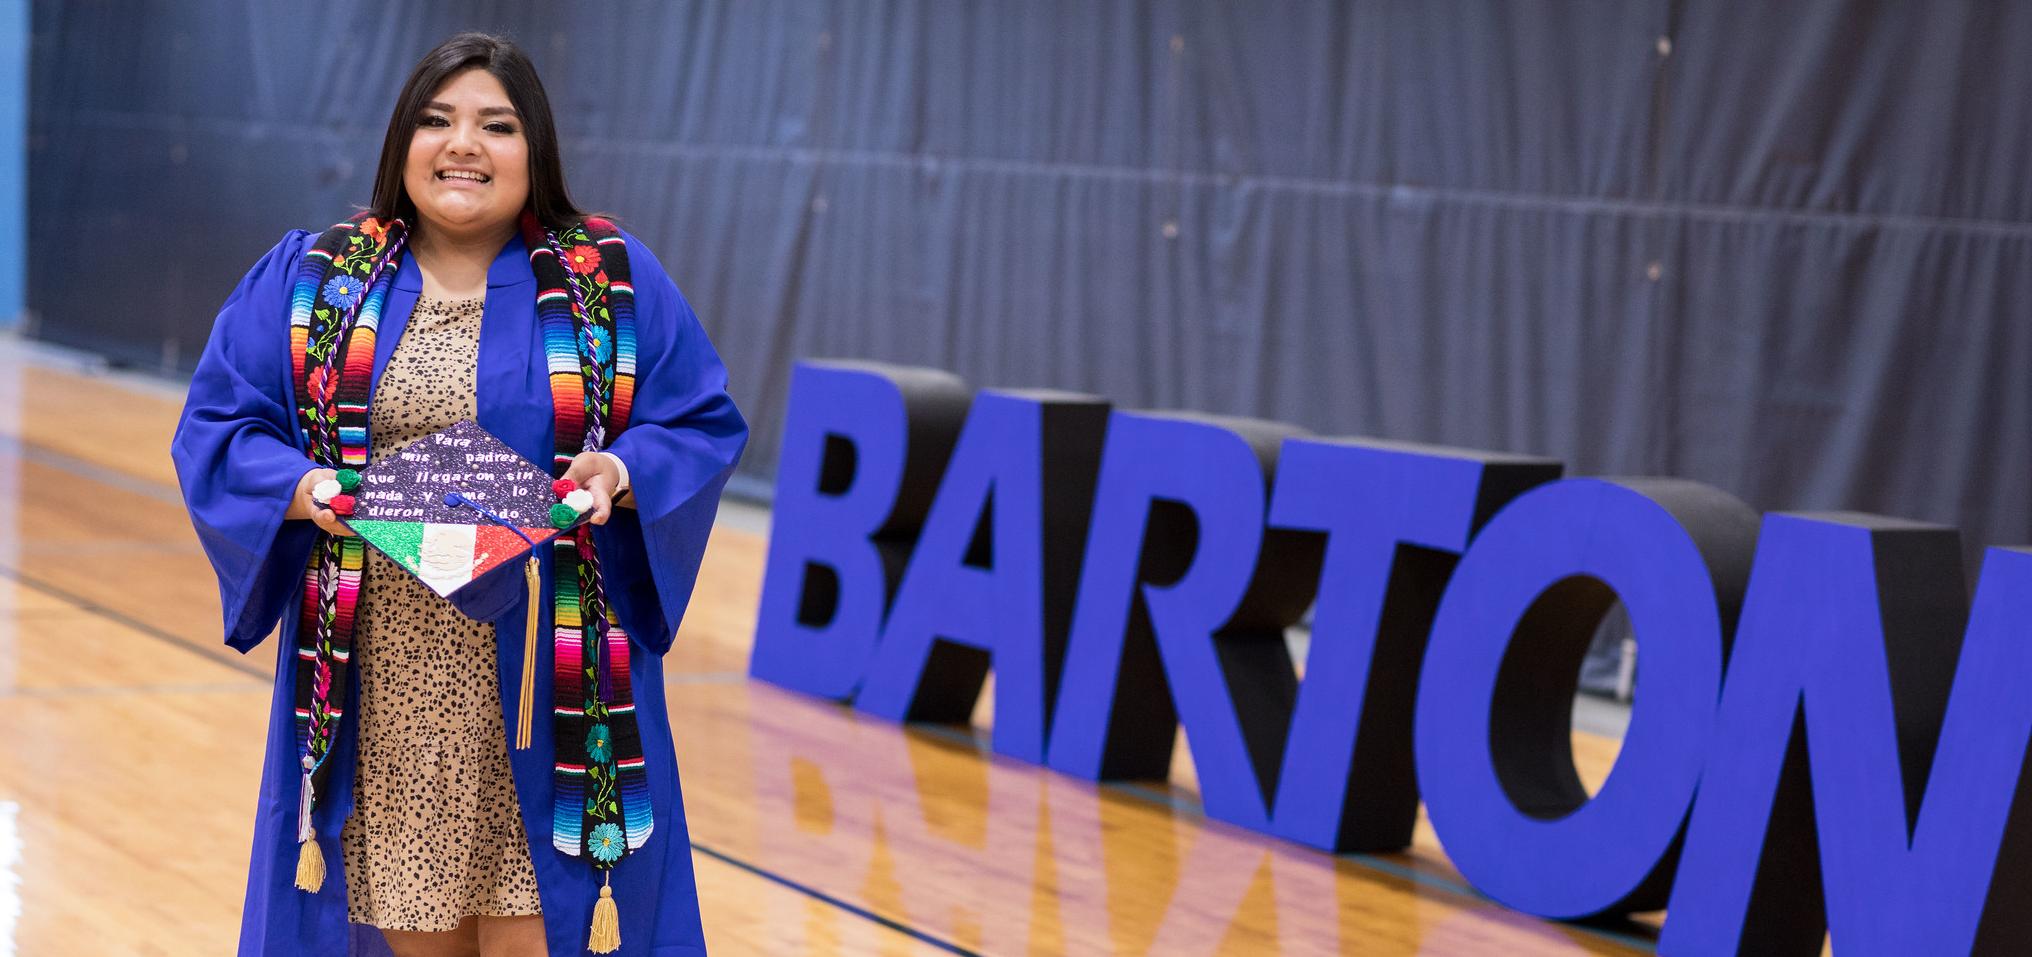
{"x":599,"y":345}
{"x":599,"y":744}
{"x":605,"y":843}
{"x":344,"y":292}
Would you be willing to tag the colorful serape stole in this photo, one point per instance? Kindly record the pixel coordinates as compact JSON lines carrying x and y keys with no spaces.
{"x":333,"y":313}
{"x":586,"y":308}
{"x":587,"y":311}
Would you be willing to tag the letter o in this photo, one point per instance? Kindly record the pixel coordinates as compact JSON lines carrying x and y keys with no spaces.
{"x":1494,"y":706}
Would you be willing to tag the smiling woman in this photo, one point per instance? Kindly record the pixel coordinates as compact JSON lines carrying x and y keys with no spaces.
{"x":337,"y":351}
{"x":468,"y":165}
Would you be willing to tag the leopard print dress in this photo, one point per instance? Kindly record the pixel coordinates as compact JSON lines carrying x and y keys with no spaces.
{"x":436,"y":834}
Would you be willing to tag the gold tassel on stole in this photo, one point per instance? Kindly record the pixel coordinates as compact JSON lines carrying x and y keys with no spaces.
{"x":525,"y":706}
{"x":310,"y":859}
{"x":310,"y":867}
{"x":606,"y":936}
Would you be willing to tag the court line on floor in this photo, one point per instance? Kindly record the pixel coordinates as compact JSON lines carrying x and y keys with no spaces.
{"x":87,"y":470}
{"x":29,"y":451}
{"x":978,"y":742}
{"x":819,"y":895}
{"x":1141,"y":792}
{"x":87,"y":605}
{"x":59,"y":548}
{"x":91,"y":691}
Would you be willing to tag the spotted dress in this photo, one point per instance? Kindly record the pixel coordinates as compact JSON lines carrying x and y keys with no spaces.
{"x":435,"y":835}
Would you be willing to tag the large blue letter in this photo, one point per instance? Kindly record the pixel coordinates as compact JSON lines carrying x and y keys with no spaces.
{"x":863,"y":446}
{"x":1396,"y":518}
{"x":1825,"y":771}
{"x":1495,"y":702}
{"x":1015,"y":498}
{"x":1181,"y":613}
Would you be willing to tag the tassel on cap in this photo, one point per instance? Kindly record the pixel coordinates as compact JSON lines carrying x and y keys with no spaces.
{"x":606,"y":936}
{"x":525,"y":703}
{"x":525,"y":706}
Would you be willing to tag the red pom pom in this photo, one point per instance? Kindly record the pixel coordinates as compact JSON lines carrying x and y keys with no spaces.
{"x":342,"y":505}
{"x":564,"y":487}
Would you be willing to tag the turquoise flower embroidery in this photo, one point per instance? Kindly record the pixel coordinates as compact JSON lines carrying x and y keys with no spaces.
{"x":599,"y":347}
{"x":605,"y":843}
{"x":599,"y":744}
{"x":344,"y":292}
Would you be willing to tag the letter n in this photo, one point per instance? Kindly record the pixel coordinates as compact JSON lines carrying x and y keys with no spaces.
{"x":1869,"y":755}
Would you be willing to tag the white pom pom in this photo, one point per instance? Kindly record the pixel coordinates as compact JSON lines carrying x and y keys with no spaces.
{"x":323,"y":491}
{"x":579,"y":500}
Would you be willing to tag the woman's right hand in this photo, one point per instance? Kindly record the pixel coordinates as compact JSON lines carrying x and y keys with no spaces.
{"x":303,"y":506}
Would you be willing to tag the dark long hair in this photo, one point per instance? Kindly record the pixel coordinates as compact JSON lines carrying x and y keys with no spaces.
{"x":506,"y":61}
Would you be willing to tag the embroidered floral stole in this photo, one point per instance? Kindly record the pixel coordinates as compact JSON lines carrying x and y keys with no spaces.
{"x":586,"y":308}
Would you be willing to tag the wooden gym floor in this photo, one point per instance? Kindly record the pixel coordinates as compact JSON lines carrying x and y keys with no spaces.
{"x":130,"y":746}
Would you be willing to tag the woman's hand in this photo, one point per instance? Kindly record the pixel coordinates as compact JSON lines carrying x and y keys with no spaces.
{"x":598,"y":475}
{"x":303,"y":506}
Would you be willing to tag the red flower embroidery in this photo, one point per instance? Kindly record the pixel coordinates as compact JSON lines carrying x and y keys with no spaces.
{"x":584,"y":259}
{"x":374,"y":229}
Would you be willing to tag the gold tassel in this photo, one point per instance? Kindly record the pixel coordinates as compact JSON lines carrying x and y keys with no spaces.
{"x":525,"y":707}
{"x":606,"y":937}
{"x":310,"y":859}
{"x":310,"y":867}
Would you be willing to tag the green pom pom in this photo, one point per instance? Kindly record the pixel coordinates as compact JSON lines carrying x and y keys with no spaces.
{"x":562,"y":515}
{"x":348,"y":480}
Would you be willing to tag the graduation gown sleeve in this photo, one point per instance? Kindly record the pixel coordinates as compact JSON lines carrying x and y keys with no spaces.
{"x":235,"y":450}
{"x":683,"y":439}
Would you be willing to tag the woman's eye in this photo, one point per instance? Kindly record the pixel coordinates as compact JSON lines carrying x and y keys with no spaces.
{"x":429,"y":120}
{"x":502,"y":128}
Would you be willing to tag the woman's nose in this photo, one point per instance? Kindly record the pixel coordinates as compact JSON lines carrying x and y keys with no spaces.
{"x":462,"y":140}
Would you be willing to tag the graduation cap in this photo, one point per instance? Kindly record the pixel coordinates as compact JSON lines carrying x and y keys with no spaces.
{"x":452,"y":509}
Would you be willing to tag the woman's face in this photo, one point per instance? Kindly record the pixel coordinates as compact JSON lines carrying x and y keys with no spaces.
{"x":468,"y":167}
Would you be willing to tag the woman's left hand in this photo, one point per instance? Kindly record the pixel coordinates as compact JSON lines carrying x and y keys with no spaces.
{"x":598,"y":475}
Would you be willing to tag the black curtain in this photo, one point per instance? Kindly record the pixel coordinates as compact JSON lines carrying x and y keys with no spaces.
{"x":1773,"y":247}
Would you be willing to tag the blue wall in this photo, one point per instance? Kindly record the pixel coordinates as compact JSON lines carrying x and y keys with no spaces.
{"x":13,"y":158}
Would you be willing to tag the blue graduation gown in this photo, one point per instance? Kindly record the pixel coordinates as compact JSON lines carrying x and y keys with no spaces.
{"x":238,"y":458}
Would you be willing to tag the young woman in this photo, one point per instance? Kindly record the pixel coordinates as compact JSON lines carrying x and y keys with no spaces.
{"x":393,"y":815}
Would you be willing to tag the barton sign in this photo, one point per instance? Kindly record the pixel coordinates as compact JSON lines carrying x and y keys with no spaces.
{"x":1828,"y":735}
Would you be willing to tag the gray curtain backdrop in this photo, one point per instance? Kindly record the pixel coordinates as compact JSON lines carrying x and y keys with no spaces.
{"x":1780,"y":248}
